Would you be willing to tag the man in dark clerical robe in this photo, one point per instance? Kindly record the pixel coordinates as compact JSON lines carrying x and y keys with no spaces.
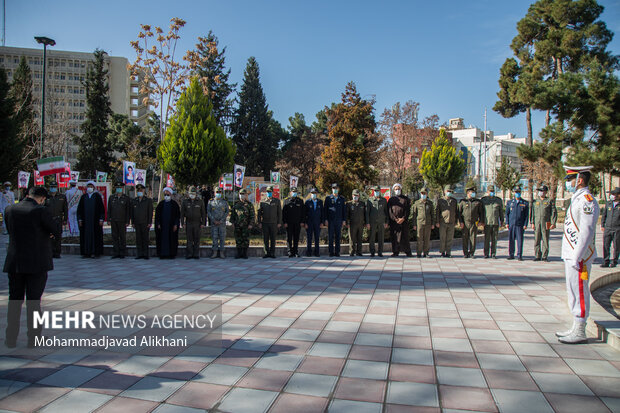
{"x":167,"y":217}
{"x":90,"y":216}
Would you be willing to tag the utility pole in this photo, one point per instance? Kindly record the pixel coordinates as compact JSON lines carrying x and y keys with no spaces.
{"x":45,"y":41}
{"x":485,"y":146}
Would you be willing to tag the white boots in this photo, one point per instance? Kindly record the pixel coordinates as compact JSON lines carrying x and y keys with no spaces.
{"x":577,"y":335}
{"x":567,"y":332}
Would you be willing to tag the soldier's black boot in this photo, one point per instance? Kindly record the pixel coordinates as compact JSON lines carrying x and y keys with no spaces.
{"x":238,"y":254}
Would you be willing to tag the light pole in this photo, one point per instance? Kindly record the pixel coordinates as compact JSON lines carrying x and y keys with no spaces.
{"x":45,"y":41}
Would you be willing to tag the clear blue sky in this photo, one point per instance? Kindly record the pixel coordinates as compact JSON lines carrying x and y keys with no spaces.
{"x":444,"y":54}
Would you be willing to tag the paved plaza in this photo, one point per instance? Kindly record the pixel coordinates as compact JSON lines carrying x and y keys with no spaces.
{"x":339,"y":335}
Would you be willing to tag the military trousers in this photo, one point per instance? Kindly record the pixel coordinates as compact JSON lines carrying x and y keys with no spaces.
{"x":269,"y":238}
{"x":292,"y":237}
{"x":400,"y":238}
{"x":313,"y":232}
{"x":515,"y":234}
{"x":334,"y":233}
{"x":192,"y":230}
{"x":578,"y":288}
{"x":57,"y":241}
{"x":377,"y":234}
{"x":609,"y":236}
{"x":355,"y":238}
{"x":142,"y":240}
{"x":490,"y":240}
{"x":541,"y":240}
{"x":218,"y":235}
{"x":469,"y":234}
{"x":119,"y":238}
{"x":423,"y":242}
{"x":446,"y":235}
{"x":242,"y":236}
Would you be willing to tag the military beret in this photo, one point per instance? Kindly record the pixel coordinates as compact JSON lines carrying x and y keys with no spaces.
{"x":543,"y":188}
{"x":376,"y":188}
{"x":243,"y":191}
{"x":218,"y":190}
{"x":615,"y":191}
{"x":334,"y":185}
{"x":491,"y":188}
{"x":294,"y":189}
{"x":355,"y":192}
{"x":140,"y":186}
{"x":121,"y":184}
{"x":53,"y":184}
{"x":424,"y":190}
{"x":270,"y":188}
{"x":314,"y":191}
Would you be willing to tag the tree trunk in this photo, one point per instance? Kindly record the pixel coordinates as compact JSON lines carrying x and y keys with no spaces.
{"x":529,"y":140}
{"x":547,"y":118}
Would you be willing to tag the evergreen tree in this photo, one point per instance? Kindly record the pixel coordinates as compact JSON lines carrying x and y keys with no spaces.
{"x":353,"y":146}
{"x":252,"y":126}
{"x":10,"y":155}
{"x":27,"y":128}
{"x":506,"y":177}
{"x":95,"y":148}
{"x":195,"y":148}
{"x":211,"y":68}
{"x":441,"y":165}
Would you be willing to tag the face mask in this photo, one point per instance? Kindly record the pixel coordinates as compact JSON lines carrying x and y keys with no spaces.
{"x":53,"y":190}
{"x":294,"y":194}
{"x":518,"y":195}
{"x":119,"y":190}
{"x":269,"y":194}
{"x":218,"y":195}
{"x":473,"y":194}
{"x":612,"y":197}
{"x":335,"y":191}
{"x":423,"y":196}
{"x":8,"y":188}
{"x":397,"y":192}
{"x":541,"y":194}
{"x":356,"y":198}
{"x":377,"y":194}
{"x":140,"y":194}
{"x":90,"y":190}
{"x":242,"y":197}
{"x":491,"y":193}
{"x":313,"y":196}
{"x":570,"y":187}
{"x":448,"y":194}
{"x":192,"y":196}
{"x":167,"y":197}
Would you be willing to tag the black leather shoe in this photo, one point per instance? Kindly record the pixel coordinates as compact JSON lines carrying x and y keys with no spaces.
{"x":380,"y":254}
{"x":510,"y":258}
{"x":605,"y":265}
{"x":537,"y":259}
{"x":612,"y":265}
{"x":395,"y":254}
{"x":10,"y":343}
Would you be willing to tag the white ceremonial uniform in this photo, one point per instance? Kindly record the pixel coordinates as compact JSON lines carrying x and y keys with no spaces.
{"x":6,"y":198}
{"x":73,"y":198}
{"x":579,"y":250}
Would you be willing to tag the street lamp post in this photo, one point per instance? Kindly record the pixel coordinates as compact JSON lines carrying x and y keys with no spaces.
{"x":45,"y":41}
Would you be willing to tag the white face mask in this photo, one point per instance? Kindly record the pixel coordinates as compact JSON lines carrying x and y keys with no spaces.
{"x":90,"y":190}
{"x":335,"y":191}
{"x":241,"y":197}
{"x":448,"y":194}
{"x":167,"y":197}
{"x":313,"y":196}
{"x":356,"y":198}
{"x":570,"y":187}
{"x":541,"y":194}
{"x":612,"y":197}
{"x":397,"y":192}
{"x":423,"y":196}
{"x":139,"y":193}
{"x":294,"y":194}
{"x":472,"y":194}
{"x":377,"y":194}
{"x":218,"y":195}
{"x":192,"y":196}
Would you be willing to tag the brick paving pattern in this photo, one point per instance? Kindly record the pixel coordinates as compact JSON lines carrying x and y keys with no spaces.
{"x":339,"y":335}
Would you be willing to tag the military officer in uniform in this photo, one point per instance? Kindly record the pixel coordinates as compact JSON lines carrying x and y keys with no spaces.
{"x":494,"y":218}
{"x":7,"y":197}
{"x":217,"y":211}
{"x":376,"y":220}
{"x":610,"y":225}
{"x":446,"y":217}
{"x":470,"y":213}
{"x":578,"y":250}
{"x":517,"y":214}
{"x":356,"y":219}
{"x":142,"y":219}
{"x":335,"y":219}
{"x":423,"y":217}
{"x":193,"y":218}
{"x":315,"y":215}
{"x":544,"y":216}
{"x":399,"y":209}
{"x":269,"y":219}
{"x":57,"y":205}
{"x":242,"y":218}
{"x":293,"y":215}
{"x":119,"y":215}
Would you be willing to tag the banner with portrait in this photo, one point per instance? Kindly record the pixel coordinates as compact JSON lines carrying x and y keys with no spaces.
{"x":293,"y":181}
{"x":129,"y":177}
{"x":239,"y":174}
{"x":141,"y":177}
{"x":23,"y":178}
{"x":38,"y":179}
{"x":275,"y":177}
{"x":101,"y":176}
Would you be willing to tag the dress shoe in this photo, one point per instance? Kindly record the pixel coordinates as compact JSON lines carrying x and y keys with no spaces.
{"x":337,"y":255}
{"x":510,"y":258}
{"x":537,"y":259}
{"x":612,"y":265}
{"x":605,"y":265}
{"x":359,"y":254}
{"x":395,"y":254}
{"x":380,"y":254}
{"x":10,"y":343}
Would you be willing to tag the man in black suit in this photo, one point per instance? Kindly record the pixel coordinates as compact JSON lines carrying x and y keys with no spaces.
{"x":28,"y":259}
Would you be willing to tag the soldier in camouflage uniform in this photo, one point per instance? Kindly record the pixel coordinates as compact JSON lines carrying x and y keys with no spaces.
{"x":423,"y":217}
{"x":446,"y":217}
{"x":57,"y":205}
{"x":356,"y":217}
{"x":544,"y":216}
{"x":269,"y":219}
{"x":119,"y":215}
{"x":242,"y":217}
{"x":494,"y":217}
{"x":193,"y":218}
{"x":217,"y":210}
{"x":470,"y":214}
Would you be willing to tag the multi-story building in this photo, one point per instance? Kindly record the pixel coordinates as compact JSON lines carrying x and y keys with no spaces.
{"x":66,"y":95}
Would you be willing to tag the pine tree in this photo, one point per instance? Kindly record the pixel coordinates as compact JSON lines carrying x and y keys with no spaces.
{"x":27,"y":128}
{"x":441,"y":165}
{"x":353,"y":147}
{"x":251,"y":127}
{"x":195,"y":149}
{"x":95,"y":149}
{"x":10,"y":155}
{"x":506,"y":177}
{"x":211,"y":68}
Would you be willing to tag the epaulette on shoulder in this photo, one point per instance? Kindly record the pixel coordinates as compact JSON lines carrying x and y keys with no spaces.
{"x":588,"y":197}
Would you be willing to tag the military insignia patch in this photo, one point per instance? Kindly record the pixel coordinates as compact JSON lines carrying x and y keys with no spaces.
{"x":588,"y":197}
{"x":587,"y":209}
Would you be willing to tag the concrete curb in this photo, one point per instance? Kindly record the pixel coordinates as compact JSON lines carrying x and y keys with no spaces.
{"x":602,"y":324}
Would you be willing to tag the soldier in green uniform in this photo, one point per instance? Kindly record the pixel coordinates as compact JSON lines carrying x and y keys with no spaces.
{"x":543,"y":217}
{"x":269,"y":219}
{"x":446,"y":217}
{"x":423,"y":218}
{"x":217,"y":211}
{"x":356,"y":219}
{"x":119,"y":215}
{"x":494,"y":217}
{"x":142,"y":219}
{"x":57,"y":205}
{"x":376,"y":220}
{"x":193,"y":218}
{"x":470,"y":213}
{"x":242,"y":217}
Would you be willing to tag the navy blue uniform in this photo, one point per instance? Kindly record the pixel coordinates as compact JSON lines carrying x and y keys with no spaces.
{"x":517,"y":214}
{"x":335,"y":214}
{"x":313,"y":219}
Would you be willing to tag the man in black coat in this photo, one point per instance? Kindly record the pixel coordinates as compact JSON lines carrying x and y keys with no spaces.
{"x":28,"y":259}
{"x":90,"y":215}
{"x":293,"y":216}
{"x":167,"y":220}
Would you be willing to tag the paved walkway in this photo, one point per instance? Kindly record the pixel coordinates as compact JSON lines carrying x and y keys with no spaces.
{"x":342,"y":335}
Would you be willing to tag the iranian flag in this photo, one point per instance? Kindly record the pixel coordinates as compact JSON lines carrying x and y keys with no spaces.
{"x":50,"y":166}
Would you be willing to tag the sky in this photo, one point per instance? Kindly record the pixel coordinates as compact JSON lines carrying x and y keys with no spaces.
{"x":446,"y":55}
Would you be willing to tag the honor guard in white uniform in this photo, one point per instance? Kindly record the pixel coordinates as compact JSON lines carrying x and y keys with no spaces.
{"x":578,"y":250}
